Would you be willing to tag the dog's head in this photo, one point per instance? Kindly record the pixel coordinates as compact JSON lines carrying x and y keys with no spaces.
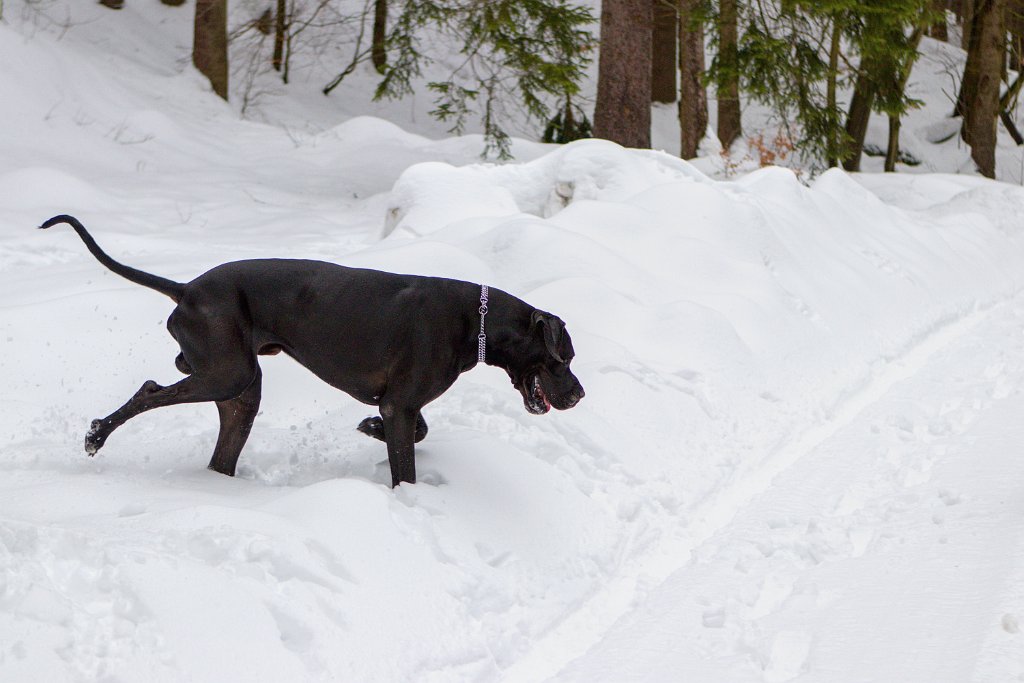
{"x":542,"y":374}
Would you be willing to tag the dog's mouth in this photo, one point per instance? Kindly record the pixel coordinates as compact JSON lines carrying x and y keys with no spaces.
{"x":539,"y":400}
{"x":534,"y":398}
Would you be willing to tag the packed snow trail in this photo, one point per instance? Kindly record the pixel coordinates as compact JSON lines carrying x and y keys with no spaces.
{"x":890,"y":551}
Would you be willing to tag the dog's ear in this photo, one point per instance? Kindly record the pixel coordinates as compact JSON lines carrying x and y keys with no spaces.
{"x":551,"y":330}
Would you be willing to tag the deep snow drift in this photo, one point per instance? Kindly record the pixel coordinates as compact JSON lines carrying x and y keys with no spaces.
{"x":798,"y":457}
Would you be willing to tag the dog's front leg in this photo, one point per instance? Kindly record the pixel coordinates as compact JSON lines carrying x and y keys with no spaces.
{"x":400,"y":434}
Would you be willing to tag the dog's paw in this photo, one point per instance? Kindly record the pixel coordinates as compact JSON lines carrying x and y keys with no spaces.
{"x":372,"y":426}
{"x":94,"y":438}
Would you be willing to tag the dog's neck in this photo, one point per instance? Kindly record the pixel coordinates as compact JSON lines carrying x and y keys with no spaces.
{"x":481,"y":348}
{"x":504,"y":313}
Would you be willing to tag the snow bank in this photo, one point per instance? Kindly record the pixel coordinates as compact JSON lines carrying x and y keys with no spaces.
{"x":716,"y":325}
{"x":425,"y":195}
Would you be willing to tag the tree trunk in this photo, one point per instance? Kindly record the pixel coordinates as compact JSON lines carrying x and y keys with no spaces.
{"x":857,"y":118}
{"x":693,"y":97}
{"x":980,"y":87}
{"x":1006,"y":101}
{"x":210,"y":46}
{"x":966,"y":21}
{"x":729,"y":86}
{"x":902,"y":77}
{"x":280,"y":28}
{"x":1015,"y":27}
{"x":939,"y":30}
{"x":663,"y":51}
{"x":623,"y":110}
{"x":892,"y":152}
{"x":380,"y":28}
{"x":830,"y":91}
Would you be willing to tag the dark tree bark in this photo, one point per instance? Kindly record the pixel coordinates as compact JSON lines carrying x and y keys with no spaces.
{"x":280,"y":29}
{"x":939,"y":30}
{"x":1006,"y":102}
{"x":877,"y":77}
{"x":835,"y":43}
{"x":1011,"y":128}
{"x":112,"y":4}
{"x":966,"y":21}
{"x":663,"y":55}
{"x":693,"y":97}
{"x":1015,"y":27}
{"x":892,"y":151}
{"x":729,"y":86}
{"x":623,"y":110}
{"x":210,"y":46}
{"x":173,"y":3}
{"x":979,"y":90}
{"x":857,"y":118}
{"x":380,"y":28}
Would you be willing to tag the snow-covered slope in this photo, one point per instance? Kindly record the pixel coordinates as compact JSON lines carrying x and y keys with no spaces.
{"x":796,"y":457}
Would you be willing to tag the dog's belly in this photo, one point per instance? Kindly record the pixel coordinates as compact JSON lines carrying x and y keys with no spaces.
{"x":362,"y":384}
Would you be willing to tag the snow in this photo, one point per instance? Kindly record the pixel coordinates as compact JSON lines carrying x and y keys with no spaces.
{"x":798,"y":458}
{"x":882,"y":553}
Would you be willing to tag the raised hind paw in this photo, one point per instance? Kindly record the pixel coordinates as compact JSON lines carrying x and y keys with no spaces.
{"x":95,"y":437}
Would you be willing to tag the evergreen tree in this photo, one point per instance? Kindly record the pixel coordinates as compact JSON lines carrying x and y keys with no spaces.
{"x":898,"y":87}
{"x":569,"y":123}
{"x":511,"y":54}
{"x":939,"y":29}
{"x":887,"y":35}
{"x":793,"y":56}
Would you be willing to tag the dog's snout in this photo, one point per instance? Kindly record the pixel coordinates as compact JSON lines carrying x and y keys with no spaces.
{"x":576,"y":396}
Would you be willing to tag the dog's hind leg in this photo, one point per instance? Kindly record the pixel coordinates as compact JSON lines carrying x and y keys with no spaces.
{"x":374,"y":427}
{"x":236,"y":418}
{"x":222,"y":386}
{"x":222,"y":369}
{"x":182,"y":365}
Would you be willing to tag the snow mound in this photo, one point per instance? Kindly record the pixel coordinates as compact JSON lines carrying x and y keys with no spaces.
{"x":43,"y":188}
{"x":424,"y":197}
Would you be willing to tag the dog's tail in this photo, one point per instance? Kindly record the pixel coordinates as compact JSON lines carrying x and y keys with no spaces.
{"x":163,"y":285}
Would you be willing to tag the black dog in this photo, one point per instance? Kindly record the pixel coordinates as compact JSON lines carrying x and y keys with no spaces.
{"x":393,"y":341}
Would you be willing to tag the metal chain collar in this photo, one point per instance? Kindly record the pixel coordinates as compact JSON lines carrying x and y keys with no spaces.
{"x":481,"y":349}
